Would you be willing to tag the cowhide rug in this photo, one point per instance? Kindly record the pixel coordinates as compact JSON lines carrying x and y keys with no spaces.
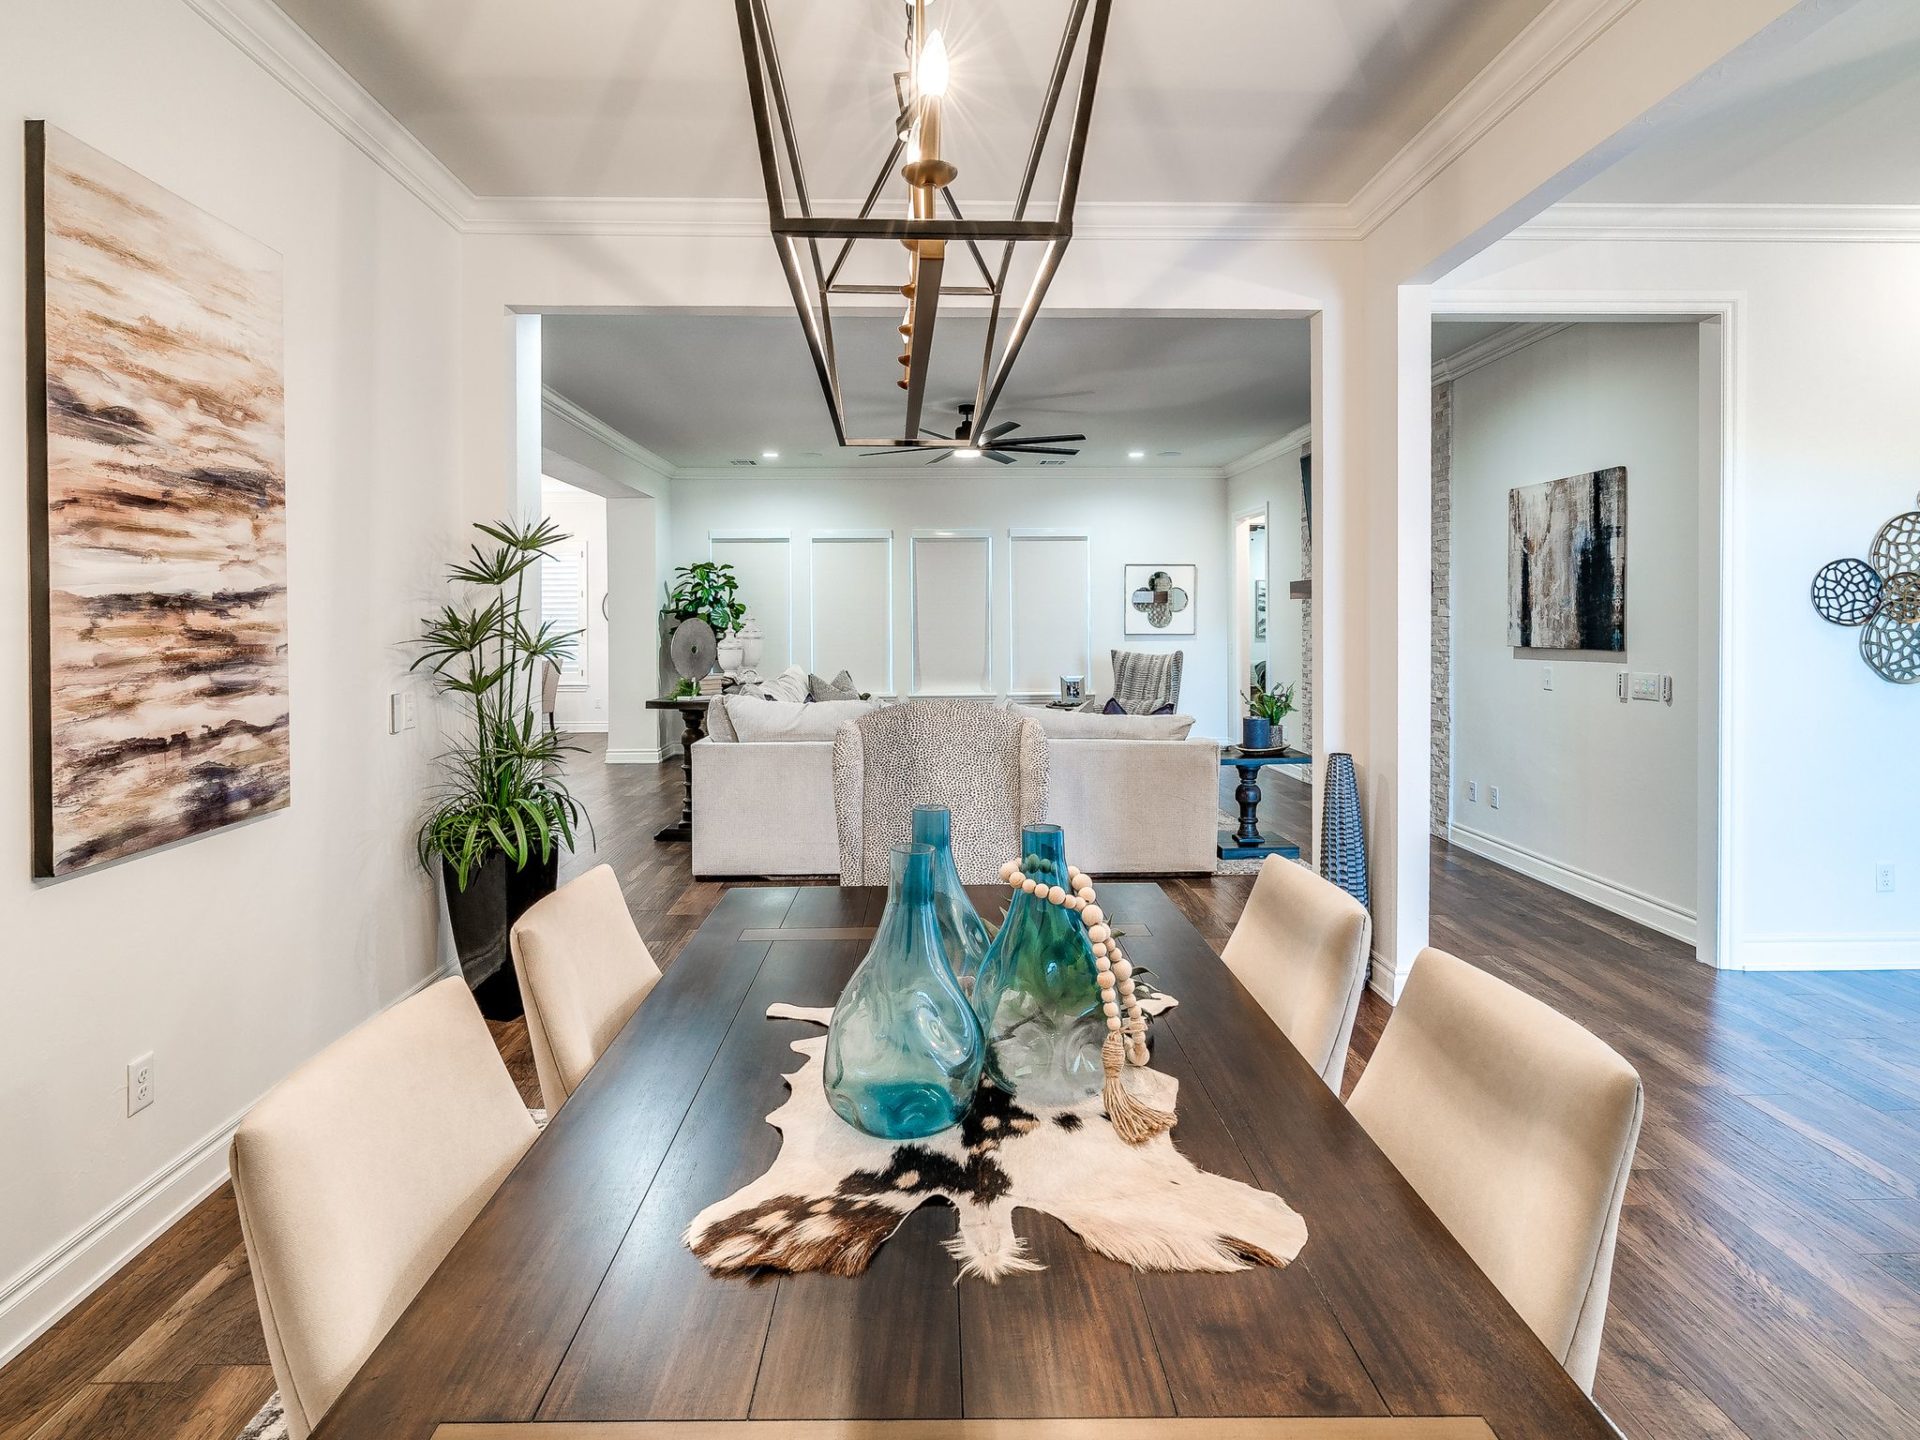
{"x":835,"y":1195}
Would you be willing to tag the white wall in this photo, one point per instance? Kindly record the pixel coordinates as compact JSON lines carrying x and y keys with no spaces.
{"x":1819,"y":757}
{"x":1131,"y":517}
{"x":582,"y":705}
{"x":234,"y":956}
{"x":1595,"y":796}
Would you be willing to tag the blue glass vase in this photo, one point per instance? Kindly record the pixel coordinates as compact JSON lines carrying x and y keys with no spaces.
{"x":1038,"y":996}
{"x":904,"y":1049}
{"x":961,"y":929}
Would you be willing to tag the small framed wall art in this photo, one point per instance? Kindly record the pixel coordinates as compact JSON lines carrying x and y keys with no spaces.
{"x":1160,"y":599}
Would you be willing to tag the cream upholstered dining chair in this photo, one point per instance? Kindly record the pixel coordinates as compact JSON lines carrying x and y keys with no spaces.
{"x":1517,"y":1127}
{"x":583,"y":971}
{"x":986,"y":765}
{"x":356,"y":1174}
{"x":1300,"y":948}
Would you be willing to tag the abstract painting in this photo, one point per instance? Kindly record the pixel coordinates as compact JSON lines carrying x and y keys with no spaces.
{"x":1567,"y":563}
{"x":157,"y":497}
{"x":1159,"y":599}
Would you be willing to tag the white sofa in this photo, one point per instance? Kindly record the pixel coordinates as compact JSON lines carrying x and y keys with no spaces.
{"x":1129,"y":806}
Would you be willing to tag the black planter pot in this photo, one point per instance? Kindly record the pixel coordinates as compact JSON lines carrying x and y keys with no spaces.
{"x":478,"y":915}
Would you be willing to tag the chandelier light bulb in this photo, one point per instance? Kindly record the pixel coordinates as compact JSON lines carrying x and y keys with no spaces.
{"x":966,"y":454}
{"x":931,"y":80}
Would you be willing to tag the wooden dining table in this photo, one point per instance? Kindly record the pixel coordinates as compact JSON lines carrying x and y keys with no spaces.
{"x":571,"y":1310}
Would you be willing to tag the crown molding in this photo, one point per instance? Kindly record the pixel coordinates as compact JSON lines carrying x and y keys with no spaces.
{"x":1533,"y":57}
{"x":552,"y":402}
{"x":1273,"y":450}
{"x":854,"y":470}
{"x":1780,"y":224}
{"x":1509,"y":340}
{"x":264,"y":33}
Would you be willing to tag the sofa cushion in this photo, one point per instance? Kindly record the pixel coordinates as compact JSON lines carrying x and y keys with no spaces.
{"x":841,"y":687}
{"x":756,"y":721}
{"x":719,"y":723}
{"x":1081,"y":725}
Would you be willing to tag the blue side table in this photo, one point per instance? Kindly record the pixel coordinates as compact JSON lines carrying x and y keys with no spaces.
{"x":1247,"y":843}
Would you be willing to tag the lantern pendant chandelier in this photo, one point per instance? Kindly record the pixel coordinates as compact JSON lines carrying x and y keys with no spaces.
{"x":814,"y":249}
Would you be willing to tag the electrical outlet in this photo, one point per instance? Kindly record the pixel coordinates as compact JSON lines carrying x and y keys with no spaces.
{"x":1546,"y":677}
{"x":139,"y":1083}
{"x":396,"y":713}
{"x":1883,"y":879}
{"x":1473,"y":791}
{"x":1493,"y":796}
{"x":408,"y":716}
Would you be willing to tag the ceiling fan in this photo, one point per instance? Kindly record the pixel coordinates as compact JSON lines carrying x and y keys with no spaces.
{"x":998,"y":444}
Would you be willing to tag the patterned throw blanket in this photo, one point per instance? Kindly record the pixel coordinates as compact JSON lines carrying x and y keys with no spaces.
{"x":835,"y":1195}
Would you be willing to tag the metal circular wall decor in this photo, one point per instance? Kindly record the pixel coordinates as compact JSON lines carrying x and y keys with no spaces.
{"x":1881,"y":594}
{"x":693,"y":647}
{"x":1847,"y":592}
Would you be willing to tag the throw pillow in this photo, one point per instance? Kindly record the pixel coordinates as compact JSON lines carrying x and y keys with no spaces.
{"x":841,"y":687}
{"x":789,"y":684}
{"x":719,"y":725}
{"x":791,"y":720}
{"x":1081,"y":725}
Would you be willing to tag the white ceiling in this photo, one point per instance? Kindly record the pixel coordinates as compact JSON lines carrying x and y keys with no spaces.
{"x":704,"y":390}
{"x":1231,"y":101}
{"x":1830,"y":118}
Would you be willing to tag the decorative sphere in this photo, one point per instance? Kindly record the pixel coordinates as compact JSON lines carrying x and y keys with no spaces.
{"x":1081,"y":880}
{"x":1113,"y":1022}
{"x":1009,"y":870}
{"x":1055,"y":895}
{"x":1029,"y":884}
{"x":1122,"y":968}
{"x":1094,"y":914}
{"x":1099,"y":934}
{"x":1111,"y":1007}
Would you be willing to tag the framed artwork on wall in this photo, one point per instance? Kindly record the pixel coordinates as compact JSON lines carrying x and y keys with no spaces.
{"x":157,"y":514}
{"x":1567,"y":563}
{"x":1160,"y":599}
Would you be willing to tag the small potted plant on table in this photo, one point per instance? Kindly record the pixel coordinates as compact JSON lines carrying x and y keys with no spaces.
{"x":1266,"y":709}
{"x":503,"y":810}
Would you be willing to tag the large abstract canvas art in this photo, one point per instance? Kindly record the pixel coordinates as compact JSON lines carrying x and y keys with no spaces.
{"x":1567,"y":563}
{"x":157,"y":512}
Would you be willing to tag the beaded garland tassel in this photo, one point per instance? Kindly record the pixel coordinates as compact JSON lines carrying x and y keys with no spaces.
{"x":1133,"y":1121}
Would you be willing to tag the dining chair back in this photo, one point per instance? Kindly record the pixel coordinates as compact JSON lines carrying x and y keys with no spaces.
{"x":988,"y":766}
{"x":1300,"y":948}
{"x":356,"y":1174}
{"x":583,"y":971}
{"x":1517,"y":1127}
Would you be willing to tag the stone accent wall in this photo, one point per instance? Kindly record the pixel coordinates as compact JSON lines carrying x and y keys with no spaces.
{"x":1441,"y":742}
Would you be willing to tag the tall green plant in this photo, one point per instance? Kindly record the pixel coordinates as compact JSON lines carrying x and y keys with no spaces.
{"x":708,"y":590}
{"x":502,"y":790}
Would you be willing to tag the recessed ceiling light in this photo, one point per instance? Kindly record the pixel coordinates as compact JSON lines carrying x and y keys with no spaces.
{"x":1136,"y":454}
{"x":769,"y":454}
{"x":966,"y":454}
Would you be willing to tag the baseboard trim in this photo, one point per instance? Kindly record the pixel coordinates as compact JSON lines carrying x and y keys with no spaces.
{"x":1829,"y":952}
{"x":637,"y":757}
{"x":36,"y":1299}
{"x":1646,"y":910}
{"x":1383,"y":978}
{"x":583,"y":727}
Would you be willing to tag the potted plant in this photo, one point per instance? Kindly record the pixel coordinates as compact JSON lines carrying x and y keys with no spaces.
{"x":1266,"y":709}
{"x":709,"y":591}
{"x":503,"y":810}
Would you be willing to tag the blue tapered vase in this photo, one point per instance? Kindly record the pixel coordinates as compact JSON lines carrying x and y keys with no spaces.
{"x":904,"y":1049}
{"x":1038,"y":995}
{"x":1343,"y":839}
{"x":962,"y":932}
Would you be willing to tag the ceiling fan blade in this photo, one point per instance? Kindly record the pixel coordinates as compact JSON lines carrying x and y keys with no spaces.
{"x":869,"y":453}
{"x":1030,"y":450}
{"x":943,"y":455}
{"x":1002,"y":428}
{"x":1020,"y":440}
{"x":997,"y":457}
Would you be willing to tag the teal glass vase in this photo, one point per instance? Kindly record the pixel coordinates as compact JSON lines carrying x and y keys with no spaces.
{"x":961,"y":929}
{"x":1038,"y":995}
{"x":904,"y":1049}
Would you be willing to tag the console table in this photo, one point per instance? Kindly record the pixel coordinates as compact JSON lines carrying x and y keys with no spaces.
{"x":693,"y":710}
{"x":1247,"y":843}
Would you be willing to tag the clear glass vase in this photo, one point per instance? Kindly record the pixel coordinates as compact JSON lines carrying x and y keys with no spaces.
{"x":904,"y":1049}
{"x":1038,"y":997}
{"x":961,"y":929}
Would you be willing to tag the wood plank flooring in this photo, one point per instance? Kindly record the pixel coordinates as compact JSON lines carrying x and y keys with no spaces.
{"x":1768,"y":1276}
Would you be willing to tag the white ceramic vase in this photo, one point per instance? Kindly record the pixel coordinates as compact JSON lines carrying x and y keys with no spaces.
{"x":730,"y":652}
{"x":752,"y":642}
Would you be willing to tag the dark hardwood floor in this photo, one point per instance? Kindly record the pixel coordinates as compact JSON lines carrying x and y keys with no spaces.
{"x":1768,"y":1276}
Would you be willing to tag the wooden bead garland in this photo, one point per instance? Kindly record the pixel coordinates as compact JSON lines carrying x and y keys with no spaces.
{"x":1133,"y":1121}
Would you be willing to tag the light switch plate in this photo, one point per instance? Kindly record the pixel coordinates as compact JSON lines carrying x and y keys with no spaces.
{"x":1473,"y":790}
{"x":1546,"y":677}
{"x":1648,"y":685}
{"x":1493,"y":796}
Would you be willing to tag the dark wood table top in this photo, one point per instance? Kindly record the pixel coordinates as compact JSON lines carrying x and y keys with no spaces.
{"x":571,"y":1298}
